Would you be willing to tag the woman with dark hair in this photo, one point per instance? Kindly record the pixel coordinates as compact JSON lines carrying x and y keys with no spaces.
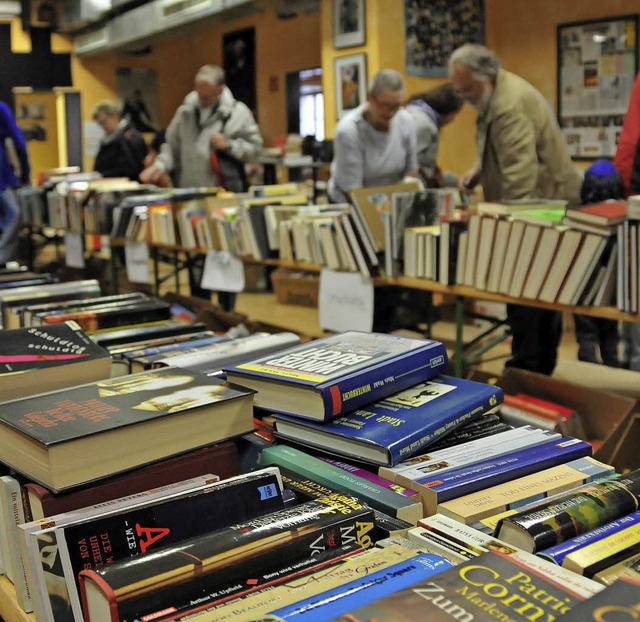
{"x":431,"y":111}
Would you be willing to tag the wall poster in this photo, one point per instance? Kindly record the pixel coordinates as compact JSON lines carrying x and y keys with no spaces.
{"x":434,"y":28}
{"x":597,"y":65}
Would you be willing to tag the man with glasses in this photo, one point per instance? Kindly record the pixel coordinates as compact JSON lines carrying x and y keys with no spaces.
{"x":522,"y":154}
{"x":375,"y":143}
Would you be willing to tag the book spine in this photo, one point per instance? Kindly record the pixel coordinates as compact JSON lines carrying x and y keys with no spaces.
{"x":558,"y":552}
{"x":195,"y":565}
{"x":95,"y":543}
{"x":336,"y":601}
{"x":473,"y":477}
{"x":382,"y":499}
{"x":574,"y":514}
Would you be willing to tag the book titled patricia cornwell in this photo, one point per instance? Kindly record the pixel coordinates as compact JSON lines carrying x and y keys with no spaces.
{"x":337,"y":374}
{"x":493,"y":586}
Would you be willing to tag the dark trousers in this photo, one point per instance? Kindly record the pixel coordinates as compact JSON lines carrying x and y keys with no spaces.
{"x":536,"y":335}
{"x":597,"y":333}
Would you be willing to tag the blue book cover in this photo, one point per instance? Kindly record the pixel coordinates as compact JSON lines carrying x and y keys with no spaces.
{"x":454,"y":483}
{"x":358,"y":592}
{"x":558,"y":552}
{"x":339,"y":373}
{"x":392,"y":429}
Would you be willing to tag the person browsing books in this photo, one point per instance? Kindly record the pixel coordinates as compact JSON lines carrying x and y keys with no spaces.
{"x":122,"y":149}
{"x":375,"y":143}
{"x":209,"y":122}
{"x":431,"y":111}
{"x":13,"y":174}
{"x":521,"y":155}
{"x":207,"y":143}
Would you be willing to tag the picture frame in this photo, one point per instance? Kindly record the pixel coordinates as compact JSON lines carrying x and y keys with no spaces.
{"x":597,"y":65}
{"x":348,"y":23}
{"x":351,"y":82}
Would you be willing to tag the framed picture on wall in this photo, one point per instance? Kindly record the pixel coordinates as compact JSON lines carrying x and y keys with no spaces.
{"x":351,"y":82}
{"x":348,"y":23}
{"x":434,"y":29}
{"x":597,"y":65}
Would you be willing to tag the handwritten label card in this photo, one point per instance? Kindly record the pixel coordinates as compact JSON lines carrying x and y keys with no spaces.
{"x":136,"y":256}
{"x":74,"y":250}
{"x":345,"y":301}
{"x":222,"y":272}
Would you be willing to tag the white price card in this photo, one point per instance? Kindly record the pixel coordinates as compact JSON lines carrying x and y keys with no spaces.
{"x":345,"y":301}
{"x":136,"y":255}
{"x":73,"y":250}
{"x":222,"y":272}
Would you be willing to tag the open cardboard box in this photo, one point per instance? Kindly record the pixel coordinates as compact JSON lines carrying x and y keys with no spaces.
{"x":620,"y":450}
{"x":601,"y":412}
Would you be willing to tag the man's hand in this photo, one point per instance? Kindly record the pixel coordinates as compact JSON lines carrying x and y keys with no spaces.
{"x":151,"y":174}
{"x":469,"y":180}
{"x":219,"y":141}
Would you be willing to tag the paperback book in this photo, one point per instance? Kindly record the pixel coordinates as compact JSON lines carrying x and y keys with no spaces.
{"x":339,"y":373}
{"x":390,"y":430}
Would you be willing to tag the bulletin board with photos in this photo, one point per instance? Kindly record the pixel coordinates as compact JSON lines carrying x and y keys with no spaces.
{"x":597,"y":65}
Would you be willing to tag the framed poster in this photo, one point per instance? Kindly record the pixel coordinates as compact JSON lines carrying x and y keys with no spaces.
{"x":348,"y":23}
{"x":434,"y":28}
{"x":351,"y":82}
{"x":597,"y":65}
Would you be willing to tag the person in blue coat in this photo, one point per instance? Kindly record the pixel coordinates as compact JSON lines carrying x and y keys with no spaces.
{"x":15,"y":171}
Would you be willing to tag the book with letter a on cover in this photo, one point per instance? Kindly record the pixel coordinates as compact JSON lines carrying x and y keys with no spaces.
{"x":47,"y":358}
{"x":173,"y":578}
{"x":390,"y":430}
{"x":339,"y":373}
{"x":139,"y":531}
{"x":59,"y":439}
{"x":580,"y":511}
{"x":490,"y":587}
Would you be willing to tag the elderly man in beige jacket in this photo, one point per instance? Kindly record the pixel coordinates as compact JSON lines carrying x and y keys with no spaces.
{"x":521,"y":155}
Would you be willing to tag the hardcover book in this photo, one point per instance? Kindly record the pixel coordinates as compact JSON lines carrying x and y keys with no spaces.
{"x":453,"y":483}
{"x":390,"y":430}
{"x":119,"y":337}
{"x":58,"y":438}
{"x":564,"y":518}
{"x":48,"y":358}
{"x":170,"y":580}
{"x":490,"y":587}
{"x":134,"y":532}
{"x":337,"y":374}
{"x":222,"y":459}
{"x":378,"y":497}
{"x":510,"y":495}
{"x":606,"y":213}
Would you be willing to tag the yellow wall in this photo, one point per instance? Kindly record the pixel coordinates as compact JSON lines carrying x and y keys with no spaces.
{"x":522,"y":32}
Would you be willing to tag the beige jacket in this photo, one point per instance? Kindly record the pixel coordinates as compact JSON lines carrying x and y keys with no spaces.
{"x":525,"y":155}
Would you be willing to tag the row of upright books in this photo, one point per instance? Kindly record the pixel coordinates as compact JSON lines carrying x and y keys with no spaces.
{"x":327,"y":433}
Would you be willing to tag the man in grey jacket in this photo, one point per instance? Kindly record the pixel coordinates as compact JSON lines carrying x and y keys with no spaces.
{"x":209,"y":121}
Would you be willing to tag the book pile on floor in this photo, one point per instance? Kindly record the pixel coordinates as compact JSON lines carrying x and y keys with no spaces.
{"x":259,"y":487}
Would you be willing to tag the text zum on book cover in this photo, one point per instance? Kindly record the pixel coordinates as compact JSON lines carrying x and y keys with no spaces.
{"x":339,"y":373}
{"x":79,"y":434}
